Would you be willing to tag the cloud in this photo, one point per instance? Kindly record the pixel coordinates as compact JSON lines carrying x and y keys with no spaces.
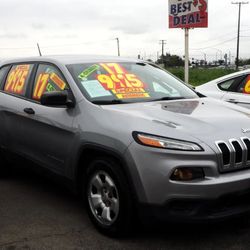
{"x":62,"y":36}
{"x":132,"y":28}
{"x":38,"y":26}
{"x":139,"y":24}
{"x":13,"y":36}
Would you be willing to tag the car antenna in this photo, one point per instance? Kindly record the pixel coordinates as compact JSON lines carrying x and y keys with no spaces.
{"x":39,"y":50}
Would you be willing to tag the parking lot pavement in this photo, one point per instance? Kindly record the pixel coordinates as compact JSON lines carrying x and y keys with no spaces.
{"x":38,"y":214}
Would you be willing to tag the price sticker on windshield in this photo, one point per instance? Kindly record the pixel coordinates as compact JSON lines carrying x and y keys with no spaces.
{"x":122,"y":84}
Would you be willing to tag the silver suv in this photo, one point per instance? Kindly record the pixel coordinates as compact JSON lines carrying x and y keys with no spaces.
{"x":132,"y":138}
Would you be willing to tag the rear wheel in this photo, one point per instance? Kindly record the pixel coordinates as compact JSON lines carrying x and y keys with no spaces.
{"x":108,"y":198}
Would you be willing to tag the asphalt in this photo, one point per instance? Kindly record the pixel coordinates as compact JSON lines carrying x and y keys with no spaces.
{"x":36,"y":213}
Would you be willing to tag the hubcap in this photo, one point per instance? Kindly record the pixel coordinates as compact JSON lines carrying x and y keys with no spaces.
{"x":103,"y":198}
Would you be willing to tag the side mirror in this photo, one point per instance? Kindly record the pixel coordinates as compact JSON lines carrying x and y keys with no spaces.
{"x":56,"y":98}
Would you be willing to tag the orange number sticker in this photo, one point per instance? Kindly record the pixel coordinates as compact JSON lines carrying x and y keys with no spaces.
{"x":58,"y":81}
{"x":247,"y":86}
{"x":121,"y":83}
{"x":134,"y":80}
{"x":16,"y":79}
{"x":112,"y":68}
{"x":40,"y":86}
{"x":117,"y":78}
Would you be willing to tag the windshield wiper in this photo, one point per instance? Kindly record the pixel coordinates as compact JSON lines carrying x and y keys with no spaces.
{"x":107,"y":102}
{"x":167,"y":98}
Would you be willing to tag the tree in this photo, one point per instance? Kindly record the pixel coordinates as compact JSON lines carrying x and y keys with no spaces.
{"x":171,"y":60}
{"x":243,"y":62}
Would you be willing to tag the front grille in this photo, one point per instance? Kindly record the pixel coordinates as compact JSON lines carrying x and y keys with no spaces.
{"x":247,"y":144}
{"x":234,"y":154}
{"x":225,"y":152}
{"x":238,"y":151}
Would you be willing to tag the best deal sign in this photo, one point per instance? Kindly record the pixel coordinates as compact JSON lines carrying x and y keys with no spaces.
{"x":188,"y":14}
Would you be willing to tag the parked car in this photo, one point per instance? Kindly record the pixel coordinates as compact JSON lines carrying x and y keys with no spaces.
{"x":130,"y":137}
{"x":246,"y":66}
{"x":234,"y":88}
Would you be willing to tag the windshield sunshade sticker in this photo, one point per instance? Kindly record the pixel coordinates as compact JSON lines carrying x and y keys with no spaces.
{"x":95,"y":89}
{"x":58,"y":81}
{"x":41,"y":85}
{"x":50,"y":88}
{"x":121,"y":83}
{"x":89,"y":71}
{"x":16,"y":80}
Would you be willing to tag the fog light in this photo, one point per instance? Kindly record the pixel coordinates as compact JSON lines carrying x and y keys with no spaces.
{"x":187,"y":174}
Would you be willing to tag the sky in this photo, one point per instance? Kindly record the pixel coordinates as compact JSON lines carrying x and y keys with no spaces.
{"x":90,"y":27}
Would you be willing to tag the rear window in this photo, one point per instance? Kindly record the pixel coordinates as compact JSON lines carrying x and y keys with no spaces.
{"x":18,"y":78}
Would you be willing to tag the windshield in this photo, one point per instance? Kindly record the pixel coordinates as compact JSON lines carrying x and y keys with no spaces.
{"x":127,"y":82}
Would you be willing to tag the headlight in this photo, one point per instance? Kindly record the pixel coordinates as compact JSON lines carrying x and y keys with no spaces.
{"x":167,"y":143}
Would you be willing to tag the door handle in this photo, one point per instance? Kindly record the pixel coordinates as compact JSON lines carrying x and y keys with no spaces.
{"x":29,"y":111}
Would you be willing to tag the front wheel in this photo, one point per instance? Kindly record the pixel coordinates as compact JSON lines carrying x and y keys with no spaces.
{"x":108,"y":198}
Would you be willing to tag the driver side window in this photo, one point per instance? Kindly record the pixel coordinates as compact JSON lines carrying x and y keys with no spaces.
{"x":48,"y":78}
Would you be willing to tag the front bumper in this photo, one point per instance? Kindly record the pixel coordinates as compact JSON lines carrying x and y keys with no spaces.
{"x":216,"y":196}
{"x":191,"y":210}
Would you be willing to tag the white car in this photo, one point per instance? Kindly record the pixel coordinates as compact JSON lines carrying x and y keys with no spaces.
{"x":234,"y":88}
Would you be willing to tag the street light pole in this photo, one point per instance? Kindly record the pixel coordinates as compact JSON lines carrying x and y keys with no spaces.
{"x":216,"y":55}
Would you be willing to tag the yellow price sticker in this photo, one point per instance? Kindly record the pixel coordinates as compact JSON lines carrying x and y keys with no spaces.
{"x":247,"y":87}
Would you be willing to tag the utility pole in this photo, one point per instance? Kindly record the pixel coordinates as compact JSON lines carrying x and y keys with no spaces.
{"x":205,"y":58}
{"x":186,"y":55}
{"x":118,"y":46}
{"x":39,"y":51}
{"x":162,"y":42}
{"x":238,"y":36}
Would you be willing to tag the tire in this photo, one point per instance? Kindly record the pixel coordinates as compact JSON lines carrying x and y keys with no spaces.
{"x":107,"y":197}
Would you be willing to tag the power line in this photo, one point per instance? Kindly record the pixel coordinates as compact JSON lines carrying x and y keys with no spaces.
{"x":208,"y":47}
{"x":215,"y":39}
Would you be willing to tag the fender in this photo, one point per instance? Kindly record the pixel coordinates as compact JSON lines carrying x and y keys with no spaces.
{"x":100,"y":150}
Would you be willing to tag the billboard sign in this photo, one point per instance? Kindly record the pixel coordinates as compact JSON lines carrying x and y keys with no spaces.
{"x":188,"y":14}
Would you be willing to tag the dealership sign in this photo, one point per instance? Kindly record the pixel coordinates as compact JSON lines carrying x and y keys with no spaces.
{"x":188,"y":14}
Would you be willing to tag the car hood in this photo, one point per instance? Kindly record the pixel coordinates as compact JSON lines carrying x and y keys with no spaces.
{"x":204,"y":119}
